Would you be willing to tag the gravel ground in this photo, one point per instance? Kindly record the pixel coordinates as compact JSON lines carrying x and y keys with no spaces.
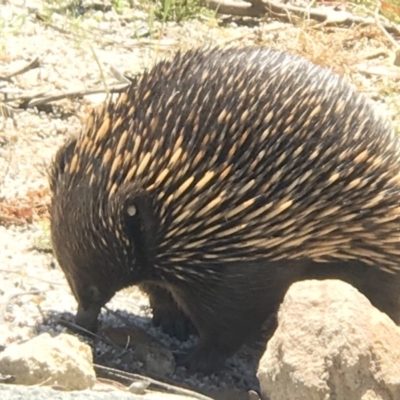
{"x":76,"y":53}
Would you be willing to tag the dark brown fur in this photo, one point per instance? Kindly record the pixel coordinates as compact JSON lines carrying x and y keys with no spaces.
{"x":216,"y":181}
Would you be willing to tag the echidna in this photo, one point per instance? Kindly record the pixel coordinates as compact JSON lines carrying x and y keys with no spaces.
{"x":217,"y":180}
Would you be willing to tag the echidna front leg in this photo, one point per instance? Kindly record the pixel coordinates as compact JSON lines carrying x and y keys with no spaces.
{"x":166,"y":313}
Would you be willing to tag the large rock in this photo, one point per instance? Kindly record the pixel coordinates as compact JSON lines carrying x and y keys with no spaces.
{"x":62,"y":360}
{"x":331,"y":343}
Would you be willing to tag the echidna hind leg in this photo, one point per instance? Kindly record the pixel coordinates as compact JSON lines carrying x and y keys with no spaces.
{"x":226,"y":312}
{"x":166,"y":314}
{"x":215,"y":346}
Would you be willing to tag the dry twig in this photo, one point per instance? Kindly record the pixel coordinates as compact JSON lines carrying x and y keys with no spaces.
{"x":127,"y":378}
{"x":32,"y":65}
{"x":40,"y":99}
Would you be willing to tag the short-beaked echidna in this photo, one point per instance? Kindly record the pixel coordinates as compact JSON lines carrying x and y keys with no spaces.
{"x":218,"y":179}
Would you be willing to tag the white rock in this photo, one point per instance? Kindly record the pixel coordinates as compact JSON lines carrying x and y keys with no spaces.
{"x":62,"y":360}
{"x":331,"y":343}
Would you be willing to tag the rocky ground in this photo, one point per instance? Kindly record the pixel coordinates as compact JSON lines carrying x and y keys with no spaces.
{"x":90,"y":47}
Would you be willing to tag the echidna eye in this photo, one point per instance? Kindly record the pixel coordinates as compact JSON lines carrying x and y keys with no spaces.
{"x":132,"y":214}
{"x":131,"y":210}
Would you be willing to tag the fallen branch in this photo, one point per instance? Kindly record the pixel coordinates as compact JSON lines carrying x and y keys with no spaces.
{"x":127,"y":378}
{"x":32,"y":65}
{"x":40,"y":99}
{"x":239,"y":9}
{"x":285,"y":12}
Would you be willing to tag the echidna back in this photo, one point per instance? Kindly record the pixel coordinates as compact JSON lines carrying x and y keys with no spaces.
{"x":250,"y":154}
